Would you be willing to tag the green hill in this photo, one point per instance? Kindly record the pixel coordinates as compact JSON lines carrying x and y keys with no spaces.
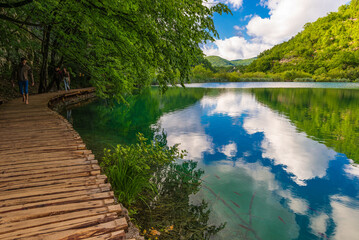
{"x":327,"y":48}
{"x":221,"y":62}
{"x":243,"y":62}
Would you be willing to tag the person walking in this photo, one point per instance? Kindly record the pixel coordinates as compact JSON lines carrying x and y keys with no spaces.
{"x":58,"y":77}
{"x":22,"y":74}
{"x":66,"y":79}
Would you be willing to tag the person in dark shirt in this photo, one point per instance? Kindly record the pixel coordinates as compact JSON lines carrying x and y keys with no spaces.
{"x":22,"y":74}
{"x":58,"y":77}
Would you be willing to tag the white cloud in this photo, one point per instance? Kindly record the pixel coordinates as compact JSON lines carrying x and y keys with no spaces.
{"x":238,"y":28}
{"x":287,"y":18}
{"x":247,"y":17}
{"x":235,"y":3}
{"x":230,"y":150}
{"x":235,"y":48}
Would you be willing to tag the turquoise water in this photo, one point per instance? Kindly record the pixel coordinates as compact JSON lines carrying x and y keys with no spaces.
{"x":277,"y":162}
{"x":339,"y":85}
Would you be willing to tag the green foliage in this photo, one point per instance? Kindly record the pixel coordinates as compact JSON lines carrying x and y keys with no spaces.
{"x":243,"y":62}
{"x":119,"y":45}
{"x":130,"y":168}
{"x":327,"y":48}
{"x":199,"y":72}
{"x":291,"y":75}
{"x":221,"y":62}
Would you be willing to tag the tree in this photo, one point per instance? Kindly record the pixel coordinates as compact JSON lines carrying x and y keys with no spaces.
{"x":121,"y":45}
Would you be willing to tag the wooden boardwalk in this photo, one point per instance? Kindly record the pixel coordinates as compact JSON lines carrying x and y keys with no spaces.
{"x":50,"y":184}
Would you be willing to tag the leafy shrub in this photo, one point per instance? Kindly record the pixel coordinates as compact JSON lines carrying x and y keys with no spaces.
{"x":291,"y":75}
{"x":233,"y":76}
{"x":199,"y":72}
{"x":254,"y":75}
{"x":321,"y":78}
{"x":130,"y":168}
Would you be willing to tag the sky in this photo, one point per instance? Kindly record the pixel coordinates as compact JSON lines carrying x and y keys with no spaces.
{"x":258,"y":25}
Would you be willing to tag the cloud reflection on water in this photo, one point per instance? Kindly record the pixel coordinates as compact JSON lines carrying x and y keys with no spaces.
{"x":185,"y":127}
{"x":299,"y":156}
{"x":303,"y":157}
{"x":345,"y":216}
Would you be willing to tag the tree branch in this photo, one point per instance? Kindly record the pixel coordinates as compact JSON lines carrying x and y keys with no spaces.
{"x":33,"y":34}
{"x":16,"y":4}
{"x":4,"y":17}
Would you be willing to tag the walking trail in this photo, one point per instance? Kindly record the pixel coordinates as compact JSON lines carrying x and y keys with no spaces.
{"x":50,"y":184}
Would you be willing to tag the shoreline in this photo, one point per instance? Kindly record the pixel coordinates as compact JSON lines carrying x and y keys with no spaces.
{"x":62,"y":101}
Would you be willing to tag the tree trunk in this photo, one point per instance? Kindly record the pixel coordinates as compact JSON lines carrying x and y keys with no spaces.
{"x":45,"y":56}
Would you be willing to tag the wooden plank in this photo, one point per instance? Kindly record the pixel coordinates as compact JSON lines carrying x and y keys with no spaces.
{"x":81,"y":233}
{"x":40,"y":158}
{"x":46,"y":164}
{"x":80,"y":181}
{"x":118,"y":235}
{"x":54,"y":196}
{"x":80,"y":198}
{"x":37,"y":182}
{"x":49,"y":176}
{"x":69,"y":228}
{"x":46,"y":221}
{"x":33,"y":173}
{"x":40,"y":142}
{"x":33,"y":213}
{"x":47,"y":149}
{"x":54,"y":135}
{"x":36,"y":191}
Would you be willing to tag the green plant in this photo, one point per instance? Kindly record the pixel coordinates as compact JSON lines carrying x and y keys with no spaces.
{"x":130,"y":168}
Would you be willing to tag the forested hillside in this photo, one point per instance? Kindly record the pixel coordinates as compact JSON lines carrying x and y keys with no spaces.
{"x":221,"y":62}
{"x":327,"y":48}
{"x":243,"y":62}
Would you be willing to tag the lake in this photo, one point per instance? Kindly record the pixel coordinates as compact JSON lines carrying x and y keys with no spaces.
{"x":278,"y":157}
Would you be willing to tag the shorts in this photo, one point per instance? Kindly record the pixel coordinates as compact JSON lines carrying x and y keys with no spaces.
{"x":24,"y":87}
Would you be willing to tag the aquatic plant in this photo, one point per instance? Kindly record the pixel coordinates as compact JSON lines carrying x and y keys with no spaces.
{"x":131,"y":167}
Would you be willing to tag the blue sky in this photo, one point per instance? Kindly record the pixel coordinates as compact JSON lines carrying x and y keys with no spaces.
{"x":257,"y":25}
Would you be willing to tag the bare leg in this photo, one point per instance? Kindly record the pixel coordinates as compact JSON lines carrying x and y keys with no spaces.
{"x":23,"y":98}
{"x":27,"y":98}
